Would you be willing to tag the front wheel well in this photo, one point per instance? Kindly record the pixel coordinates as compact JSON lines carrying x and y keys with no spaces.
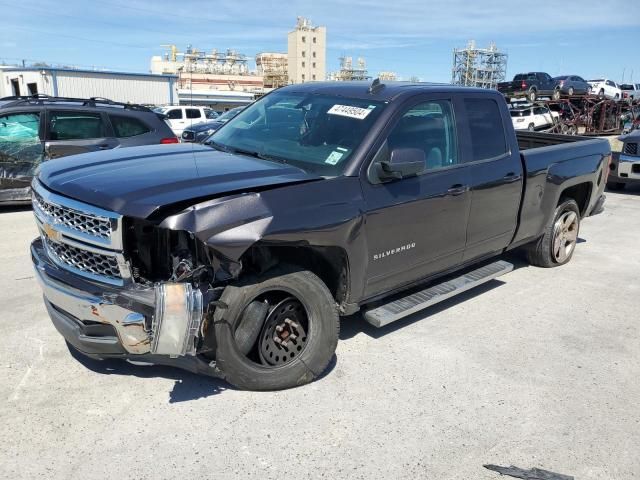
{"x":580,"y":193}
{"x":328,"y":263}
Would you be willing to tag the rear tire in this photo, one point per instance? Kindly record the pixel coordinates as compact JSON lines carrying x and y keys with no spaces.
{"x":532,"y":96}
{"x":601,"y":93}
{"x":571,"y":91}
{"x":556,"y":246}
{"x":556,"y":94}
{"x":306,"y":359}
{"x":616,"y":185}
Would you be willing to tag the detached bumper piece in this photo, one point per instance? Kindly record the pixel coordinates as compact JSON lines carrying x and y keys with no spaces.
{"x":143,"y":324}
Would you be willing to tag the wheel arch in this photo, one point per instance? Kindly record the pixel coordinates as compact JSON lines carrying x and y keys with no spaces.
{"x":329,"y":263}
{"x":580,"y":192}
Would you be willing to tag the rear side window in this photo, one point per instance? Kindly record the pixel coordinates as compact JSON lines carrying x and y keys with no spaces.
{"x":175,"y":114}
{"x":193,"y":113}
{"x":75,"y":126}
{"x":485,"y":128}
{"x":124,"y":127}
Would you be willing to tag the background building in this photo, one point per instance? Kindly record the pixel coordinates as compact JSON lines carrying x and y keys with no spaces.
{"x":307,"y":52}
{"x":63,"y":82}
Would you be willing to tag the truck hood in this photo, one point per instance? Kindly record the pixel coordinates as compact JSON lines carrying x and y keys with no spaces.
{"x":137,"y":181}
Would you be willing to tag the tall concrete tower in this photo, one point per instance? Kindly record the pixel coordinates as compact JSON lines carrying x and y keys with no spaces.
{"x":307,"y":52}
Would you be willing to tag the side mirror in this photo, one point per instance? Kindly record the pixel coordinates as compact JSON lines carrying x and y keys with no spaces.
{"x":403,"y":162}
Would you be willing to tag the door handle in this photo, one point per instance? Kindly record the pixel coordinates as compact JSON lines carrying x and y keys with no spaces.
{"x":457,"y":189}
{"x":511,"y":177}
{"x":104,"y":146}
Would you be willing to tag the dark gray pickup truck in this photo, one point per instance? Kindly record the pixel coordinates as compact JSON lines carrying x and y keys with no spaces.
{"x":237,"y":258}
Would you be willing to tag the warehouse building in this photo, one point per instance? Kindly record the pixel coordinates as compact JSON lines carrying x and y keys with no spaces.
{"x":64,"y":82}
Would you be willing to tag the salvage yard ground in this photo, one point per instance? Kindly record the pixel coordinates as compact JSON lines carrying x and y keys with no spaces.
{"x":537,"y":369}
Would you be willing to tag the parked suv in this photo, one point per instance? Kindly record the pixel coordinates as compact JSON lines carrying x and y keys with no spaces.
{"x":604,"y":88}
{"x":33,"y":129}
{"x":536,"y":117}
{"x":200,"y":132}
{"x":179,"y":118}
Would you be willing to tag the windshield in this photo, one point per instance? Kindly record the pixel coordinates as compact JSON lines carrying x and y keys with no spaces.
{"x":229,"y":114}
{"x":318,"y":133}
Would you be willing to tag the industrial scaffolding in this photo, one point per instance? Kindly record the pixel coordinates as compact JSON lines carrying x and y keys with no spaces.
{"x":349,"y":72}
{"x":478,"y":67}
{"x":229,"y":62}
{"x":273,"y":68}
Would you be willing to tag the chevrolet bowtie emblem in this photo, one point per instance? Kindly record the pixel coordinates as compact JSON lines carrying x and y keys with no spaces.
{"x":51,"y":232}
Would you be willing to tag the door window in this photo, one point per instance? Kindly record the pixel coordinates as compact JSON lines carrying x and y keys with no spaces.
{"x":20,"y":145}
{"x":430,"y":127}
{"x":193,"y":113}
{"x":485,"y":128}
{"x":175,"y":114}
{"x":75,"y":125}
{"x":125,"y":127}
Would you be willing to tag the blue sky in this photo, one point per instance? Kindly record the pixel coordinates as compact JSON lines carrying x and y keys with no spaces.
{"x":592,"y":38}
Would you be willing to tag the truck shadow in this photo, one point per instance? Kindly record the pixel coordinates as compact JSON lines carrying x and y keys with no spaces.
{"x":355,"y":324}
{"x":15,"y":208}
{"x":628,"y":190}
{"x":188,"y":386}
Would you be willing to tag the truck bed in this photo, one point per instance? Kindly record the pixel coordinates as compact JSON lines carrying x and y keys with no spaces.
{"x":553,"y":162}
{"x":528,"y":140}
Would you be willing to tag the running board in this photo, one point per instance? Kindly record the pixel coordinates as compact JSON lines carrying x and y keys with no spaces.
{"x":402,"y":307}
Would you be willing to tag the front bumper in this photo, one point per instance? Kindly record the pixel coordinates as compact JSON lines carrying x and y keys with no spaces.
{"x":625,"y":169}
{"x":104,"y":321}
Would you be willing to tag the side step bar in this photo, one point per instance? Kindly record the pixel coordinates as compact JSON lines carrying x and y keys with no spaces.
{"x":402,"y":307}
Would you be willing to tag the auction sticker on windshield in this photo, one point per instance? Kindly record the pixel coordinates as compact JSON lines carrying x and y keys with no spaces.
{"x":351,"y":112}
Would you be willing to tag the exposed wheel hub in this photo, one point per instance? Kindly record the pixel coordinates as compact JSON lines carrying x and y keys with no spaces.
{"x":284,"y":334}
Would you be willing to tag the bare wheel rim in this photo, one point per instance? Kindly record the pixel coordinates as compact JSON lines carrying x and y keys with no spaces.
{"x":565,"y":236}
{"x":285,"y":333}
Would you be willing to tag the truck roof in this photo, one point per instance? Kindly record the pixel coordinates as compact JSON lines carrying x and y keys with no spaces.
{"x":387,"y":91}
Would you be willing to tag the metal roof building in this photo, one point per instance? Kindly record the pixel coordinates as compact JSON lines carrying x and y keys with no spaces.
{"x":141,"y":88}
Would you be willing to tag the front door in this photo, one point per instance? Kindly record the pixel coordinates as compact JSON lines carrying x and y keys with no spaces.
{"x":416,"y":226}
{"x":70,"y":132}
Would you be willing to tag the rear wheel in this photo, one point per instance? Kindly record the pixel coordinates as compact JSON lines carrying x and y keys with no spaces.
{"x":557,"y":244}
{"x":571,"y":91}
{"x":601,"y":93}
{"x":532,"y":95}
{"x":556,"y":94}
{"x":297,"y":331}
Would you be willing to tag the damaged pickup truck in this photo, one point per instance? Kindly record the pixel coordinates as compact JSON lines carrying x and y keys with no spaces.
{"x":237,"y":258}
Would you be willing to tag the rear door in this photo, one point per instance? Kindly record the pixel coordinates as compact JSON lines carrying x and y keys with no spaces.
{"x":194,"y":116}
{"x":69,"y":132}
{"x":416,"y":226}
{"x":496,"y":176}
{"x":131,"y":131}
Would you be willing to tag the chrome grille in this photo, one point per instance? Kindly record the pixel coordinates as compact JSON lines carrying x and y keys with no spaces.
{"x":80,"y":237}
{"x":84,"y":260}
{"x":92,"y":225}
{"x":631,"y":148}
